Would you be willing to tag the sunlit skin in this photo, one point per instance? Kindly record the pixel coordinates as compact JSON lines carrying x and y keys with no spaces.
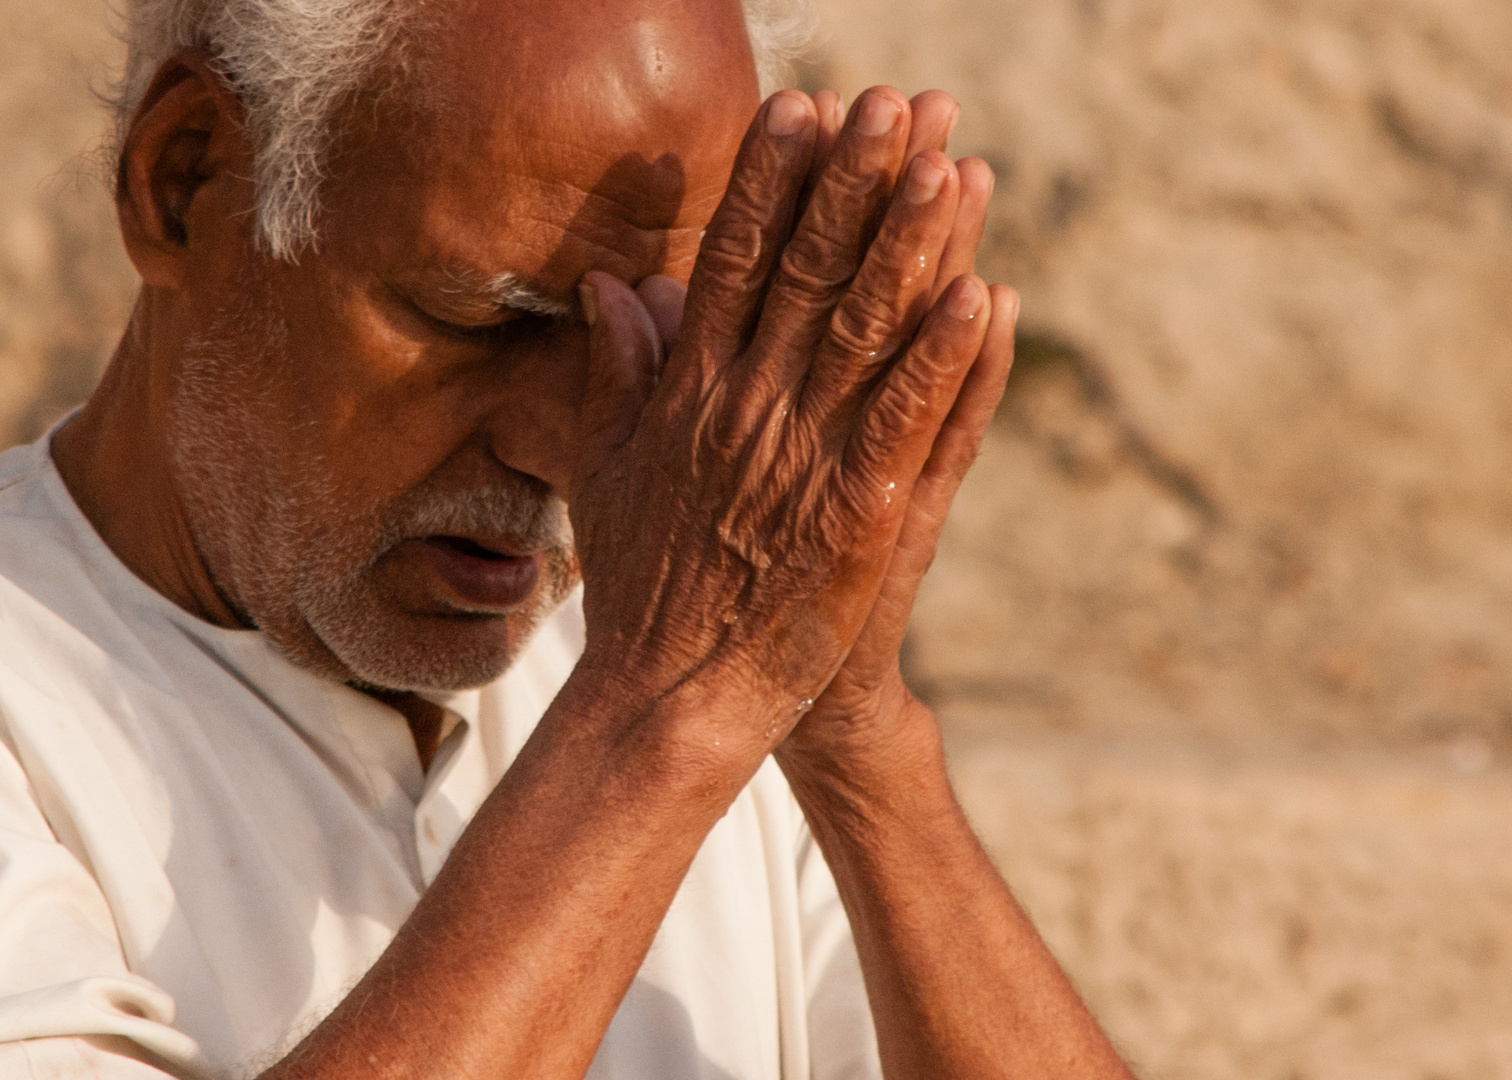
{"x":756,"y":472}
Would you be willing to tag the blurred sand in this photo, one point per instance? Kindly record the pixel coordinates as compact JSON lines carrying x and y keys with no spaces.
{"x":1220,"y":627}
{"x":65,"y":284}
{"x":1255,"y":474}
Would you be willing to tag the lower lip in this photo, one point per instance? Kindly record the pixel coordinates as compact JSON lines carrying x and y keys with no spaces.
{"x":499,"y":582}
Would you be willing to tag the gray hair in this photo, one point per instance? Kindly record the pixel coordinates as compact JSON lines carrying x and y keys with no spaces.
{"x":293,"y":62}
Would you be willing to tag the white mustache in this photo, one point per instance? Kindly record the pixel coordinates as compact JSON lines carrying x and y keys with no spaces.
{"x":533,"y":518}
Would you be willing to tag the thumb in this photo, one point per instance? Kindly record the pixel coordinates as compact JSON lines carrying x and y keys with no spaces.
{"x":665,"y":299}
{"x":624,"y":355}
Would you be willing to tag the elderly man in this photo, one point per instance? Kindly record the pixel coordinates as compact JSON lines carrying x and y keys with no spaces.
{"x":315,"y":761}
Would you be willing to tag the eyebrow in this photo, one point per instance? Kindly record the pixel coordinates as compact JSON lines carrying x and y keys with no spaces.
{"x":505,"y":290}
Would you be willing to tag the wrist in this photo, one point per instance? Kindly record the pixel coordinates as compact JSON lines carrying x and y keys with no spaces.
{"x":890,"y":761}
{"x":697,"y":738}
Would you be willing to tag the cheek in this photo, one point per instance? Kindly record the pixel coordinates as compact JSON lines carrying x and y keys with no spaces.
{"x":520,"y":400}
{"x":388,"y":406}
{"x":372,"y":400}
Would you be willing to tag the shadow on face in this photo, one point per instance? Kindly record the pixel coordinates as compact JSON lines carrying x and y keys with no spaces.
{"x":647,"y":195}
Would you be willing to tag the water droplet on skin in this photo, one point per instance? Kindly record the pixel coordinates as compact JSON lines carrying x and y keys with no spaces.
{"x":804,"y":706}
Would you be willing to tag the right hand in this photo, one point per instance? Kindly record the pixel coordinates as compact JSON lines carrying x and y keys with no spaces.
{"x":735,"y":532}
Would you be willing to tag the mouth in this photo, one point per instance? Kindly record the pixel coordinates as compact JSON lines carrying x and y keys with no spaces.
{"x":473,"y":548}
{"x":482,"y":573}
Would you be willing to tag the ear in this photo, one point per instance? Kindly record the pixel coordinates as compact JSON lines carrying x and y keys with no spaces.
{"x":185,"y":172}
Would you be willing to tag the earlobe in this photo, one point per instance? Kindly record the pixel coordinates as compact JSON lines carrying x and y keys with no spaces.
{"x":186,"y":136}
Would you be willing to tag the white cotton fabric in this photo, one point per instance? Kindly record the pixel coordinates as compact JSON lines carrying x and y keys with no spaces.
{"x":202,"y":847}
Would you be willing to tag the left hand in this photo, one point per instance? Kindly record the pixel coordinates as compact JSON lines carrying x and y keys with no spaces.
{"x":866,"y":708}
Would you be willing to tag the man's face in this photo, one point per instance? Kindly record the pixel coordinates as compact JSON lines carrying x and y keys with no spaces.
{"x":373,"y":444}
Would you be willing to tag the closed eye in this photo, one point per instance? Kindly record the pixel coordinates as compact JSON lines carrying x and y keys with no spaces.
{"x":481,"y":333}
{"x":512,"y":320}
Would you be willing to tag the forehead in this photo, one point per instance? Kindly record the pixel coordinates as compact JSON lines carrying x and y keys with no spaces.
{"x":547,"y":139}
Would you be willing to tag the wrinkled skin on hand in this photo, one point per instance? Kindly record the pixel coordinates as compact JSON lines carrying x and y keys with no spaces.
{"x":863,"y":705}
{"x":764,"y":523}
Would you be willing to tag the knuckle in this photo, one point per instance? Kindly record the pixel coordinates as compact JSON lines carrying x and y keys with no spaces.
{"x":825,"y":252}
{"x":851,"y":177}
{"x":871,"y":314}
{"x":895,"y":411}
{"x":816,"y":264}
{"x":717,"y":435}
{"x":864,"y":322}
{"x":732,"y":248}
{"x":859,"y":499}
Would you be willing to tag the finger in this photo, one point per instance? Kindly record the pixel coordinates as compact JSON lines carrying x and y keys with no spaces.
{"x":955,"y":448}
{"x":934,"y":119}
{"x":886,"y":301}
{"x":742,"y":241}
{"x":897,"y":431}
{"x":959,"y":257}
{"x":831,"y":114}
{"x":960,"y":438}
{"x":934,"y":114}
{"x":827,"y":247}
{"x":624,"y":354}
{"x":665,"y":298}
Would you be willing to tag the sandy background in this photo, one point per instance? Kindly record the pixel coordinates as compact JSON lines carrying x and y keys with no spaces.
{"x":1220,"y":630}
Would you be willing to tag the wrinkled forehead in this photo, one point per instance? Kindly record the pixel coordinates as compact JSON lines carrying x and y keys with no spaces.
{"x":601,"y":126}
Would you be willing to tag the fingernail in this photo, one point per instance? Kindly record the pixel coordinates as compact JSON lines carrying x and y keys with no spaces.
{"x":1017,"y":304}
{"x":785,"y":116}
{"x":967,"y":300}
{"x":876,"y":115}
{"x":955,"y":118}
{"x":588,"y":295}
{"x":924,"y":180}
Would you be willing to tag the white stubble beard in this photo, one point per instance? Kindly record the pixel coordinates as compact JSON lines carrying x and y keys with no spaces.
{"x":263,"y":520}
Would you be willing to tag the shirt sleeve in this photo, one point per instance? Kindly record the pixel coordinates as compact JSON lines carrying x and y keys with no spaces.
{"x":842,"y":1037}
{"x":75,"y":1058}
{"x":69,"y":1008}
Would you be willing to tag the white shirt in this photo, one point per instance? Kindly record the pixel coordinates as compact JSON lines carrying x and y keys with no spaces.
{"x":203,"y":847}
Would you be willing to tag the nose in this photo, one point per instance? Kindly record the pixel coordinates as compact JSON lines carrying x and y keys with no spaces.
{"x":532,"y":425}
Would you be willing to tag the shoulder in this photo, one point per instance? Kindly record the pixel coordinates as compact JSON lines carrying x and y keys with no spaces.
{"x":23,"y":504}
{"x":37,"y":559}
{"x":61,"y":622}
{"x":43,"y":535}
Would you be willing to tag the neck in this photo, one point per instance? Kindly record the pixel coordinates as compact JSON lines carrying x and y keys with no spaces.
{"x":117,"y":465}
{"x":425,"y":719}
{"x":115,"y":461}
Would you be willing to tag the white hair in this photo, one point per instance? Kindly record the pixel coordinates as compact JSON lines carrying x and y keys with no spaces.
{"x":292,"y":62}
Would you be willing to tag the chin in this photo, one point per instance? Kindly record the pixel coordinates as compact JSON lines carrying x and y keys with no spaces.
{"x":409,"y":652}
{"x":438,"y":653}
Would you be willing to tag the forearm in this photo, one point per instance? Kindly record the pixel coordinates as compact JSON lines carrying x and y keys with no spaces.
{"x":960,"y":983}
{"x":516,"y":958}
